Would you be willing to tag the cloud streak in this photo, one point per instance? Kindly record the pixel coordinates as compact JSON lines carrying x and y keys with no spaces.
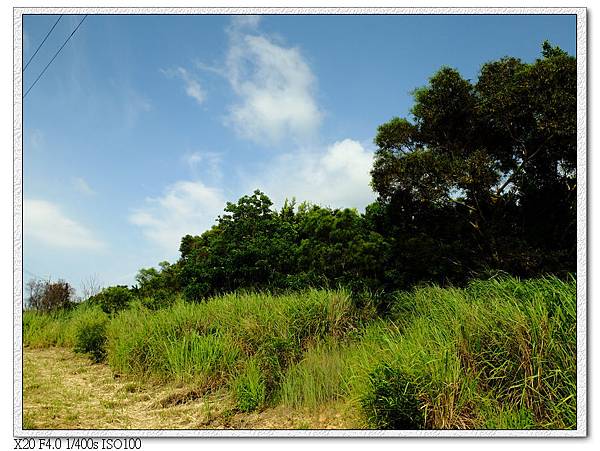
{"x":205,"y":164}
{"x":82,"y":186}
{"x":191,"y":84}
{"x":45,"y":223}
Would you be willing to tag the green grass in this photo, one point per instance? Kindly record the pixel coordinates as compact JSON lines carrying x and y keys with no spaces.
{"x":242,"y":341}
{"x":249,"y":387}
{"x":89,"y":330}
{"x":316,"y":379}
{"x":58,"y":328}
{"x":497,"y":354}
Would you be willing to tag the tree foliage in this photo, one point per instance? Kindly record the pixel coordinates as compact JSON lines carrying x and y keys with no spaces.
{"x":495,"y":158}
{"x":113,"y":299}
{"x":254,"y":246}
{"x":480,"y":178}
{"x":47,"y":296}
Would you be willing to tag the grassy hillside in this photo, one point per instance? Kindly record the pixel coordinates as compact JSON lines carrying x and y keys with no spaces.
{"x":497,"y":354}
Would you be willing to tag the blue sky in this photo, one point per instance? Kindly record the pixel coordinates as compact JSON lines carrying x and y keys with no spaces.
{"x":144,"y":126}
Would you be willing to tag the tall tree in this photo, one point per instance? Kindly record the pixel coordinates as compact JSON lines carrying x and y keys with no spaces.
{"x":499,"y":155}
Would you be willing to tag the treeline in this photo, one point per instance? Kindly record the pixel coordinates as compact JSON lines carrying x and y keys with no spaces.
{"x":479,"y":179}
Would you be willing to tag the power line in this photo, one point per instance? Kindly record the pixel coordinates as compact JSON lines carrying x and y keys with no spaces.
{"x":32,"y":274}
{"x":55,"y":55}
{"x":40,"y":46}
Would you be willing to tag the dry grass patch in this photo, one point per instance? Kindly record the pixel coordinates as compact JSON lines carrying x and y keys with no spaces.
{"x":63,"y":390}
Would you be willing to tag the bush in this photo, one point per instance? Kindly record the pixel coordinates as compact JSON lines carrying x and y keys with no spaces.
{"x":90,"y":334}
{"x":391,"y":402}
{"x":159,"y":300}
{"x":113,"y":299}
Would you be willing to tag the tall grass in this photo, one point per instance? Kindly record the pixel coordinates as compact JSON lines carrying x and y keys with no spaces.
{"x":47,"y":329}
{"x":317,"y":378}
{"x":496,"y":354}
{"x":499,"y":353}
{"x":205,"y":343}
{"x":249,"y":387}
{"x":57,"y":328}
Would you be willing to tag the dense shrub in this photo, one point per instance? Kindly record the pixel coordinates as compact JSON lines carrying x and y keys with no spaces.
{"x":159,"y":300}
{"x":161,"y":285}
{"x":113,"y":299}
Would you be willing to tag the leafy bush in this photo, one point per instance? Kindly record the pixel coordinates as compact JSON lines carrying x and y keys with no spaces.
{"x":162,"y":285}
{"x":160,"y":299}
{"x":90,"y":334}
{"x":91,"y":339}
{"x":113,"y":299}
{"x":391,"y":402}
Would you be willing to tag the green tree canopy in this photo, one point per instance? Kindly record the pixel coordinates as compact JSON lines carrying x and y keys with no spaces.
{"x":499,"y":152}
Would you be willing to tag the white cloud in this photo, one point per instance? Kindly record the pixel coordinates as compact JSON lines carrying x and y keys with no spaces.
{"x":192,"y":85}
{"x":275,"y":87}
{"x":45,"y":223}
{"x":82,"y":186}
{"x":337,"y":176}
{"x":186,"y":207}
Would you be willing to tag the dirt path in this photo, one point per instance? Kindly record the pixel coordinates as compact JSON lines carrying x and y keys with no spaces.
{"x":63,"y":390}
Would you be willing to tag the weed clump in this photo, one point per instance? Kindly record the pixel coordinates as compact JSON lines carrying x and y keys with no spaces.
{"x":90,"y":334}
{"x":391,"y":402}
{"x":249,"y":387}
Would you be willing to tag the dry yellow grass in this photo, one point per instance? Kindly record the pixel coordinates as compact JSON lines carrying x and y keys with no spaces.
{"x":63,"y":390}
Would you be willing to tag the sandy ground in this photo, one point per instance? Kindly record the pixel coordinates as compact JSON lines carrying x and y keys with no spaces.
{"x":63,"y":390}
